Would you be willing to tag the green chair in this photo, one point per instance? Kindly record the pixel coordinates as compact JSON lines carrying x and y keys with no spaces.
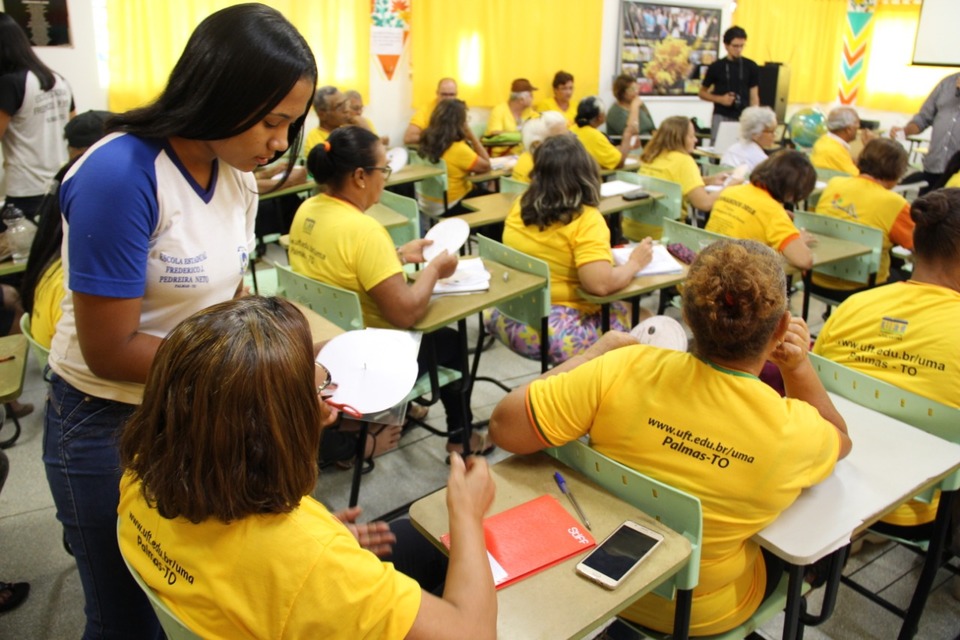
{"x":652,"y":212}
{"x":407,"y":207}
{"x":691,"y":237}
{"x":265,"y":279}
{"x":509,"y":185}
{"x":711,"y":169}
{"x":434,"y":188}
{"x":173,"y":627}
{"x":40,"y":352}
{"x":862,"y":269}
{"x":927,"y":415}
{"x":342,"y":307}
{"x":823,"y":175}
{"x":533,"y":308}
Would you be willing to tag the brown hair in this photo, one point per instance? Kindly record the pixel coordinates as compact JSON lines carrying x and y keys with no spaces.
{"x":621,"y":84}
{"x":883,"y":159}
{"x":564,"y":179}
{"x":230,"y":422}
{"x":561,"y":78}
{"x":446,"y":125}
{"x":787,"y":176}
{"x":671,"y":136}
{"x":937,"y":235}
{"x":733,"y":298}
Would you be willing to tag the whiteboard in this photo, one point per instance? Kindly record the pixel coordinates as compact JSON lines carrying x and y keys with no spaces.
{"x":936,"y":42}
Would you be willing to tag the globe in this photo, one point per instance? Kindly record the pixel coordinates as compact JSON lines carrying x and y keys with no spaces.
{"x":806,"y":126}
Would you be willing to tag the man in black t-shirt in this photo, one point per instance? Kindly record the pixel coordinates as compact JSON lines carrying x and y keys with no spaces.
{"x":731,"y":83}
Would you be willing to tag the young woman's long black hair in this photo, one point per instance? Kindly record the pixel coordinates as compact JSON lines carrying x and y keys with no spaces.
{"x":16,"y":54}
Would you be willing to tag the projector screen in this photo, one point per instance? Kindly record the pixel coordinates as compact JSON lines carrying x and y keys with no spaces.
{"x":936,"y":42}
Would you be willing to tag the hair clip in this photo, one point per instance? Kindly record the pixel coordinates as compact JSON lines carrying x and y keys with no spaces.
{"x":728,"y":299}
{"x":326,"y":145}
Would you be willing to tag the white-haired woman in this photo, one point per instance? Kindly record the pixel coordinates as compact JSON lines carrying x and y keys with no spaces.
{"x":758,"y":125}
{"x":535,"y":131}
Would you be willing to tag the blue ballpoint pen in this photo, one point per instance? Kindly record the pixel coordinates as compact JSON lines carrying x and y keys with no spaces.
{"x":563,"y":489}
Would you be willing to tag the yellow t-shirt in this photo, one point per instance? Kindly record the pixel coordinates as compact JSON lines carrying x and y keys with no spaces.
{"x":521,"y":170}
{"x":334,"y":242}
{"x":954,"y":182}
{"x":314,"y":137}
{"x":550,"y":104}
{"x":861,"y":200}
{"x":293,"y":575}
{"x":46,"y":304}
{"x":501,"y":120}
{"x":421,"y":118}
{"x":565,"y":248}
{"x":460,"y":159}
{"x":675,"y":166}
{"x":901,"y":333}
{"x":750,"y":213}
{"x":597,"y":145}
{"x":721,"y":435}
{"x":830,"y":153}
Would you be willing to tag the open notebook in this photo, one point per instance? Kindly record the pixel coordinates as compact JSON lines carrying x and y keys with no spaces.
{"x":471,"y":276}
{"x":662,"y":264}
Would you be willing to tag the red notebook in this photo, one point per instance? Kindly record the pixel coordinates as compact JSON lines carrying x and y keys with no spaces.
{"x":530,"y":537}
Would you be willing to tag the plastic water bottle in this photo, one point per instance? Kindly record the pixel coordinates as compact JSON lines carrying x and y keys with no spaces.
{"x":20,"y":233}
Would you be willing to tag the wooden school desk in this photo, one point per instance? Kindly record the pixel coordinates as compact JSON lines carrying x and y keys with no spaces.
{"x":890,"y":463}
{"x":826,"y":251}
{"x":13,"y":365}
{"x":556,"y":602}
{"x":637,"y":287}
{"x":409,"y":173}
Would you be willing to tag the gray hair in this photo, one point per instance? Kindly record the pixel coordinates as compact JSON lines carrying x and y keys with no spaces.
{"x":754,"y":120}
{"x":519,"y":95}
{"x":353,"y":94}
{"x":841,"y":118}
{"x":536,"y":130}
{"x":320,"y":97}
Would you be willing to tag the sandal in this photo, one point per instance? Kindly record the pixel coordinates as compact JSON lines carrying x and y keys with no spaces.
{"x":480,"y":445}
{"x":12,"y":595}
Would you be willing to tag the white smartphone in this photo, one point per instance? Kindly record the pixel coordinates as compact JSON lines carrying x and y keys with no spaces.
{"x":611,"y":562}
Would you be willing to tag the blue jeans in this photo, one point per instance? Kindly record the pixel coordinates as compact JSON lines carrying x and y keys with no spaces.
{"x":83,"y":469}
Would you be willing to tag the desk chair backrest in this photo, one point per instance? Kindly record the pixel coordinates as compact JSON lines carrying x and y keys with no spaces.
{"x":434,"y":188}
{"x":674,"y":508}
{"x":711,"y":169}
{"x":339,"y":306}
{"x":727,"y":135}
{"x":688,"y":235}
{"x":173,"y":627}
{"x":654,"y":212}
{"x":824,"y":176}
{"x":509,"y":185}
{"x":40,"y":352}
{"x":861,"y":269}
{"x":407,"y":207}
{"x":532,"y":308}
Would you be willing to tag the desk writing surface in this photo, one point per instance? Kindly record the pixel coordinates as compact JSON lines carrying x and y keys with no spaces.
{"x":386,"y":216}
{"x":493,"y":174}
{"x":446,"y":309}
{"x":827,"y":249}
{"x":638,"y":286}
{"x":11,"y":371}
{"x":413,"y":173}
{"x":556,"y":602}
{"x":286,"y":191}
{"x":890,"y":463}
{"x":9,"y":266}
{"x":495,"y":207}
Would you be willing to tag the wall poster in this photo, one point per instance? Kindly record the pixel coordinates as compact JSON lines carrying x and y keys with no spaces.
{"x":668,"y":48}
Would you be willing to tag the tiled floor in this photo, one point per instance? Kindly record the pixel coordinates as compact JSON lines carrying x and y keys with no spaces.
{"x":30,"y":536}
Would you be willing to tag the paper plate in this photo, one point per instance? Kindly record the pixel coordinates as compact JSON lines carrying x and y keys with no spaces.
{"x":374,"y":369}
{"x":397,"y":158}
{"x":449,"y":234}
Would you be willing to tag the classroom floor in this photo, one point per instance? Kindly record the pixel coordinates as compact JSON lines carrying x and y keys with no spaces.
{"x":31,"y":549}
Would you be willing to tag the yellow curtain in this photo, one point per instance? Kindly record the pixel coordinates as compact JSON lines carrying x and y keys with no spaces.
{"x":147,"y":37}
{"x":484,"y":45}
{"x":805,"y":34}
{"x":891,"y":83}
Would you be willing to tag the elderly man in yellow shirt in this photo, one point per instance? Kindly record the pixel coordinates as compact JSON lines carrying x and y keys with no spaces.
{"x":509,"y":116}
{"x":333,"y":110}
{"x":446,"y":90}
{"x":832,"y":150}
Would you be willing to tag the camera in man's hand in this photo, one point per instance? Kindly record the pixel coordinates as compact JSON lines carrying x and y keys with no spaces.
{"x":737,"y":101}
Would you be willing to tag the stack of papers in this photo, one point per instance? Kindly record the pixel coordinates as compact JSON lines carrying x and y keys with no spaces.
{"x":471,"y":276}
{"x":662,"y":264}
{"x":616,"y":188}
{"x":503,"y":162}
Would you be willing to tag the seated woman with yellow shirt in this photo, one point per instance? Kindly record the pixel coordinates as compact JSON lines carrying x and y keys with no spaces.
{"x":867,"y":199}
{"x":874,"y":331}
{"x":755,"y":211}
{"x":590,"y":115}
{"x":562,"y":99}
{"x":667,"y":156}
{"x":332,"y":241}
{"x":557,"y":220}
{"x":549,"y":124}
{"x":747,"y":453}
{"x":448,"y":138}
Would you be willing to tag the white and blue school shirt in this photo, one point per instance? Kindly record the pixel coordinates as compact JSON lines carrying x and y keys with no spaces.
{"x":137,"y":225}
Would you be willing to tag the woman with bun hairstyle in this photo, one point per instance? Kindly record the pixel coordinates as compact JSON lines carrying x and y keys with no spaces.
{"x":557,"y":220}
{"x":331,"y":240}
{"x":916,"y":317}
{"x":158,"y":223}
{"x":590,"y":116}
{"x":749,"y":452}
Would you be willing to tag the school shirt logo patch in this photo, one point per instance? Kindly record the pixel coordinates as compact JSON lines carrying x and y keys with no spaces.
{"x":893,"y":327}
{"x":850,"y":209}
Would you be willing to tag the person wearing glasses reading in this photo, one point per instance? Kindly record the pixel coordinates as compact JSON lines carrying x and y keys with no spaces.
{"x":333,"y":242}
{"x":215,"y":507}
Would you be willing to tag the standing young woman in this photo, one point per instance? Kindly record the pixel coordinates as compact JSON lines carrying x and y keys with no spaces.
{"x":35,"y":104}
{"x":158,"y":221}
